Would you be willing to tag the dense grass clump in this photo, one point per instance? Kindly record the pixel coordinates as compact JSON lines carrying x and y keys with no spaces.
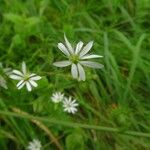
{"x":113,"y":111}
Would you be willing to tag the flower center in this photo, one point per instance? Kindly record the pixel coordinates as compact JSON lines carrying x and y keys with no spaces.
{"x":74,"y":59}
{"x":26,"y":77}
{"x":69,"y":105}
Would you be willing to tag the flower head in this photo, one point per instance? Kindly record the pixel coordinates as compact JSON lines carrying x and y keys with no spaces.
{"x":34,"y":145}
{"x":57,"y":97}
{"x":25,"y":78}
{"x":70,"y":105}
{"x":77,"y":58}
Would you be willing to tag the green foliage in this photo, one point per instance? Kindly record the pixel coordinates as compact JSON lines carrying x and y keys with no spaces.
{"x":75,"y":140}
{"x":113,"y":102}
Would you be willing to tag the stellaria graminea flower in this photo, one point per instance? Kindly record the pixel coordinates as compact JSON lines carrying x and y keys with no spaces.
{"x":70,"y":105}
{"x":25,"y":78}
{"x":34,"y":145}
{"x":57,"y":97}
{"x":78,"y":57}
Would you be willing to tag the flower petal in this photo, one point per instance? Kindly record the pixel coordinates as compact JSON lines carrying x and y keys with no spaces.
{"x":62,"y":63}
{"x":3,"y":82}
{"x":81,"y":72}
{"x":78,"y":47}
{"x":92,"y":64}
{"x":24,"y":67}
{"x":20,"y":84}
{"x":17,"y":72}
{"x":28,"y":85}
{"x":63,"y":49}
{"x":68,"y":45}
{"x":86,"y":49}
{"x":74,"y":71}
{"x":33,"y":83}
{"x":8,"y":71}
{"x":15,"y":77}
{"x":34,"y":77}
{"x":91,"y":56}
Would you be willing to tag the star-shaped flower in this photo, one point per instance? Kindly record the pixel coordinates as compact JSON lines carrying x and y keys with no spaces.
{"x":34,"y":145}
{"x":77,"y":58}
{"x":25,"y":78}
{"x":70,"y":105}
{"x":57,"y":97}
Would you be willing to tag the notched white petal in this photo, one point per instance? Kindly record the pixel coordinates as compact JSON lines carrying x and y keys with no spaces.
{"x":78,"y":47}
{"x":74,"y":71}
{"x":33,"y":83}
{"x":3,"y":82}
{"x":20,"y":85}
{"x":68,"y":45}
{"x":15,"y":77}
{"x":35,"y":77}
{"x":92,"y":64}
{"x":81,"y":72}
{"x":86,"y":49}
{"x":62,"y":63}
{"x":17,"y":72}
{"x":63,"y":49}
{"x":28,"y":85}
{"x":91,"y":56}
{"x":24,"y":67}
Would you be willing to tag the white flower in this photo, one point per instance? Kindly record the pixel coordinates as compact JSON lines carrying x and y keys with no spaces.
{"x":25,"y":78}
{"x":57,"y":97}
{"x":70,"y":105}
{"x":34,"y":145}
{"x":77,"y":58}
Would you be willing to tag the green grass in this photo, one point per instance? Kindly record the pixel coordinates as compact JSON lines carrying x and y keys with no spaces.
{"x":114,"y":110}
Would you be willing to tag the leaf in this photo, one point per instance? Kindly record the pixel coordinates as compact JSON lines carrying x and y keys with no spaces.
{"x":94,"y":90}
{"x":14,"y":18}
{"x":75,"y":141}
{"x":32,"y":21}
{"x":38,"y":105}
{"x":124,"y":39}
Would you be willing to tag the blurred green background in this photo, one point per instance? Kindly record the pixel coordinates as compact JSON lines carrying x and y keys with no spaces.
{"x":116,"y":96}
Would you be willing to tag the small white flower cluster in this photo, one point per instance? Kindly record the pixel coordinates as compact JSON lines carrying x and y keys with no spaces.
{"x":34,"y":145}
{"x":68,"y":103}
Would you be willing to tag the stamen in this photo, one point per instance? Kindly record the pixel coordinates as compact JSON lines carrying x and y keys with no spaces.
{"x":74,"y":59}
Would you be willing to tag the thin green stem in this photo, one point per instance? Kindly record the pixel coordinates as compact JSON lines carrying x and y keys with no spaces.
{"x":74,"y":125}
